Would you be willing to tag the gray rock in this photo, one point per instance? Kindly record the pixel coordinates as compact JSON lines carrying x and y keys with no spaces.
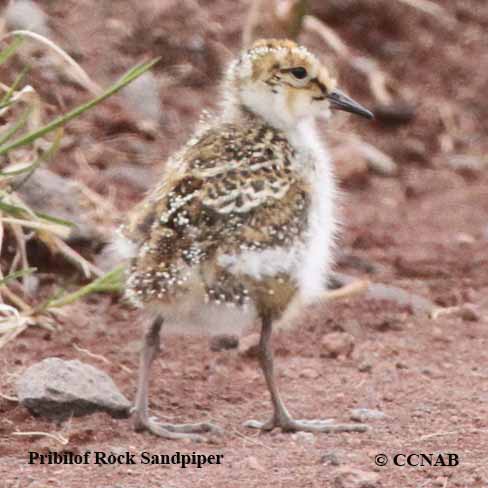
{"x":470,"y":313}
{"x":337,"y":344}
{"x":309,"y":373}
{"x":349,"y":477}
{"x":26,"y":15}
{"x":304,"y":437}
{"x":224,"y":342}
{"x":249,"y":345}
{"x":60,"y":197}
{"x":331,"y":457}
{"x":365,"y":366}
{"x":56,"y":389}
{"x":466,"y":162}
{"x":365,"y":414}
{"x":253,"y":463}
{"x":143,"y":95}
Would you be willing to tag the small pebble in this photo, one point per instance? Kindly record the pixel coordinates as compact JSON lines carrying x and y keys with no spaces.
{"x":349,"y":477}
{"x":441,"y":481}
{"x":365,"y":414}
{"x":336,"y":344}
{"x":469,"y":313}
{"x":439,"y":335}
{"x":223,"y":342}
{"x":427,"y":371}
{"x":365,"y":366}
{"x":466,"y":162}
{"x":331,"y":458}
{"x":253,"y":463}
{"x":248,"y":345}
{"x":401,"y":365}
{"x":309,"y":373}
{"x":304,"y":437}
{"x":464,"y":238}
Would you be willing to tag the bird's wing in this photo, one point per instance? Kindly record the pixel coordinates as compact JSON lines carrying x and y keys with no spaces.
{"x":248,"y":187}
{"x":233,"y":194}
{"x":230,"y":173}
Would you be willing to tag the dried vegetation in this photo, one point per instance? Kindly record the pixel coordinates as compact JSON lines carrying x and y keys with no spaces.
{"x":26,"y":142}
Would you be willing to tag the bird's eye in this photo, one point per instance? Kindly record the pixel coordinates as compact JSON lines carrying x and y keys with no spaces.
{"x":299,"y":72}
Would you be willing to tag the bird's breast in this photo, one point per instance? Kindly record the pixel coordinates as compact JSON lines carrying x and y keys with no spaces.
{"x":260,"y":264}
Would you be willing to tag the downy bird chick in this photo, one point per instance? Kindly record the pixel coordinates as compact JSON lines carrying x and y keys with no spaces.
{"x":242,"y":223}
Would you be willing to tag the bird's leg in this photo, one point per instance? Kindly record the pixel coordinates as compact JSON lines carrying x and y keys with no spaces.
{"x":142,"y":421}
{"x":281,"y":418}
{"x":280,"y":413}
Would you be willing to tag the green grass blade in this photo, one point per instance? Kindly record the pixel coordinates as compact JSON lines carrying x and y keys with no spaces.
{"x":6,"y":98}
{"x":48,"y":154}
{"x":12,"y":210}
{"x":58,"y":122}
{"x":16,"y":172}
{"x":6,"y":104}
{"x":17,"y":274}
{"x":11,"y":49}
{"x":55,"y":220}
{"x":19,"y":212}
{"x":108,"y":283}
{"x":18,"y":125}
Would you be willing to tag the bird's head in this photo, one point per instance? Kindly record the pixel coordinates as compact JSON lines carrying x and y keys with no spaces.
{"x":284,"y":83}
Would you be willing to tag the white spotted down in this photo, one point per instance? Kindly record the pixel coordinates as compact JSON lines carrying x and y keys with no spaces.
{"x":309,"y":262}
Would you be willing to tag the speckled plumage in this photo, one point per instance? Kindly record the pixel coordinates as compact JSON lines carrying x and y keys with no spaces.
{"x":242,"y":223}
{"x":243,"y":215}
{"x":232,"y":189}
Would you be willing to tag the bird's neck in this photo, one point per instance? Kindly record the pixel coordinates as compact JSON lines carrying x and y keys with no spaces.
{"x":313,"y":154}
{"x":301,"y":134}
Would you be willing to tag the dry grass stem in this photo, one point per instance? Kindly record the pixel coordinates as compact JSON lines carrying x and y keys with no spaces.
{"x":16,"y":300}
{"x":377,"y":79}
{"x":91,"y":354}
{"x":1,"y":245}
{"x":74,"y":70}
{"x":21,"y":254}
{"x":251,"y":440}
{"x":273,"y":18}
{"x":26,"y":95}
{"x":251,"y":22}
{"x":12,"y":324}
{"x":431,"y":8}
{"x":452,"y":432}
{"x":9,"y":398}
{"x":355,"y":288}
{"x":59,"y":438}
{"x":85,"y":266}
{"x":381,"y":291}
{"x":328,"y":35}
{"x":378,"y":161}
{"x":59,"y":230}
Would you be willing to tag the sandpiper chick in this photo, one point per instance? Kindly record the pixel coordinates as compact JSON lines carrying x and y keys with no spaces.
{"x":242,"y":223}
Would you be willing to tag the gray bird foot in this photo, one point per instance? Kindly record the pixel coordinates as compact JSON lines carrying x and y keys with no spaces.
{"x":291,"y":425}
{"x":176,"y":431}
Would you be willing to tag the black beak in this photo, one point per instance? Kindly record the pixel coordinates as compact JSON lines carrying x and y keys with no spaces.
{"x":340,"y":101}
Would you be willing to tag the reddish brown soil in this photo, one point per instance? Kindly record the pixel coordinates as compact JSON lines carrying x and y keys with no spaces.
{"x":425,"y":230}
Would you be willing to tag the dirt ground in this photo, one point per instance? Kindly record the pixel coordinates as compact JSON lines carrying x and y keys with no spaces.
{"x":424,"y":230}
